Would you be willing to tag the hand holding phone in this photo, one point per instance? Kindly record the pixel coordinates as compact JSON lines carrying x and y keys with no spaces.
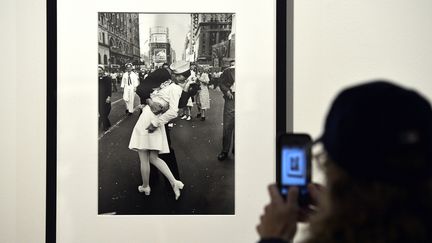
{"x":293,"y":166}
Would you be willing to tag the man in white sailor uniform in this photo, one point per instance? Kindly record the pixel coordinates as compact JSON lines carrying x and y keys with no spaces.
{"x":129,"y":83}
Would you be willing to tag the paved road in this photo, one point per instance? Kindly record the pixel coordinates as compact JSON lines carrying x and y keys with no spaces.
{"x":209,"y":183}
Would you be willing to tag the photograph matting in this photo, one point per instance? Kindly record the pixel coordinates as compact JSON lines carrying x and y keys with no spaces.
{"x":77,"y":218}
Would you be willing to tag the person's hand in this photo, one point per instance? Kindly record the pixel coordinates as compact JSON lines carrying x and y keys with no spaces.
{"x":151,"y":128}
{"x":229,"y":95}
{"x":108,"y":100}
{"x":280,"y":216}
{"x":316,"y":192}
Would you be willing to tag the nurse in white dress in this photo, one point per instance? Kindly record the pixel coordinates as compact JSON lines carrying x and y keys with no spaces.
{"x":149,"y":137}
{"x":129,"y":83}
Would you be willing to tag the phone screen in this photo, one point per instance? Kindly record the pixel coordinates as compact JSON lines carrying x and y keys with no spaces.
{"x":293,"y":167}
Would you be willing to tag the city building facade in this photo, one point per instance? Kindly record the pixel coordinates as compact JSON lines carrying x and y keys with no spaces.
{"x":118,"y":39}
{"x":208,"y":30}
{"x":159,"y":46}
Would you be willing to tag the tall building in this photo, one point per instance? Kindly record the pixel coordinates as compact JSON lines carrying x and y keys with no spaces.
{"x":208,"y":30}
{"x":160,"y":46}
{"x":118,"y":39}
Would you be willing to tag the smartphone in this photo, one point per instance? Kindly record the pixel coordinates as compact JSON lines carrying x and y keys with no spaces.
{"x":293,"y":164}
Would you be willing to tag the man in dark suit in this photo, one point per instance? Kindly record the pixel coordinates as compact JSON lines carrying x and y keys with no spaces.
{"x":104,"y":98}
{"x":227,"y":86}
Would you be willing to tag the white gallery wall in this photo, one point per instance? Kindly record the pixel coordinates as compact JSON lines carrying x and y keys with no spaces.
{"x":336,"y":44}
{"x":22,"y":126}
{"x":339,"y":43}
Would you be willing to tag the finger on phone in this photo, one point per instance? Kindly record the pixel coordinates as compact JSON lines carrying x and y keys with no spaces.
{"x":274,"y":194}
{"x":292,"y":196}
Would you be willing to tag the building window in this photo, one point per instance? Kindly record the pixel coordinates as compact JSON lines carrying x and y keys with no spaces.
{"x":103,"y":38}
{"x":99,"y":59}
{"x":105,"y":59}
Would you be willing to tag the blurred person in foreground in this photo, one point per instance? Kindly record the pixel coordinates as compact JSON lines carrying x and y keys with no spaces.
{"x":378,"y":166}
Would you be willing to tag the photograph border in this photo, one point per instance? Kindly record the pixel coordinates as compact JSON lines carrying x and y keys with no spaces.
{"x":284,"y":96}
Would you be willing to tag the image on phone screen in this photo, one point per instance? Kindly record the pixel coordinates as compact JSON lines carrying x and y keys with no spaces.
{"x":293,"y":167}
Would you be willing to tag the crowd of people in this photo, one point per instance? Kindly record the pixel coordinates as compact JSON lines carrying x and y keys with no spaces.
{"x":166,"y":93}
{"x":131,"y":78}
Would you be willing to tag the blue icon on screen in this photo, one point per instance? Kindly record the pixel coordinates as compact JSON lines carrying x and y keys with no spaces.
{"x":293,"y":166}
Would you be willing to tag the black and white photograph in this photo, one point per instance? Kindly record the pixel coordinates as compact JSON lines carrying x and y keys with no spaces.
{"x":166,"y":113}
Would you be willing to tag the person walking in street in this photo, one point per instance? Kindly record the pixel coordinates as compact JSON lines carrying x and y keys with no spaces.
{"x":119,"y":77}
{"x":104,"y":98}
{"x":114,"y":81}
{"x":227,"y":86}
{"x":129,"y":83}
{"x":203,"y":97}
{"x":186,"y":110}
{"x":149,"y":137}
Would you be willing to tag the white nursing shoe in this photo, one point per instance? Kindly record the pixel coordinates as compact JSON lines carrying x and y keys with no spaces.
{"x":146,"y":189}
{"x":177,"y":186}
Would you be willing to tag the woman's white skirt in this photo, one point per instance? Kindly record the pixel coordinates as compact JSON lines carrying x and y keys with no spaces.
{"x":141,"y":139}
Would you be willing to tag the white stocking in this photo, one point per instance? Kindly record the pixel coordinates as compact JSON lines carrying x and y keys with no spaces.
{"x":145,"y":166}
{"x":162,"y":166}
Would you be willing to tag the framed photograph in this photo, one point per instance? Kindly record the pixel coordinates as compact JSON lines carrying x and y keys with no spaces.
{"x":192,"y":151}
{"x":150,"y":152}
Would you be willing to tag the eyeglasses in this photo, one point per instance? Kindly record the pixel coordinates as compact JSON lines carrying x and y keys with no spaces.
{"x":319,"y":154}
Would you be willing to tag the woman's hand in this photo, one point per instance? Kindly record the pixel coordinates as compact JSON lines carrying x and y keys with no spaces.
{"x":280,"y":216}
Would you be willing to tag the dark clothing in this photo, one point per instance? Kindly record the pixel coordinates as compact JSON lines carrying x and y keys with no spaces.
{"x":226,"y":80}
{"x":151,"y":82}
{"x":104,"y":108}
{"x":228,"y":124}
{"x":183,"y":100}
{"x":114,"y":84}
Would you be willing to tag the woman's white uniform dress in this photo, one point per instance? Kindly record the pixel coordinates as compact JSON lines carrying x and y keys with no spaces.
{"x":203,"y":95}
{"x":167,"y":95}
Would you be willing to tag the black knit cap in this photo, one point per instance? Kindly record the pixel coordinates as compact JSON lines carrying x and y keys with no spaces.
{"x":382,"y":132}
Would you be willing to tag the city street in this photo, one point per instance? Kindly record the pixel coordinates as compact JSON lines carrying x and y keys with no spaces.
{"x":209,"y":183}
